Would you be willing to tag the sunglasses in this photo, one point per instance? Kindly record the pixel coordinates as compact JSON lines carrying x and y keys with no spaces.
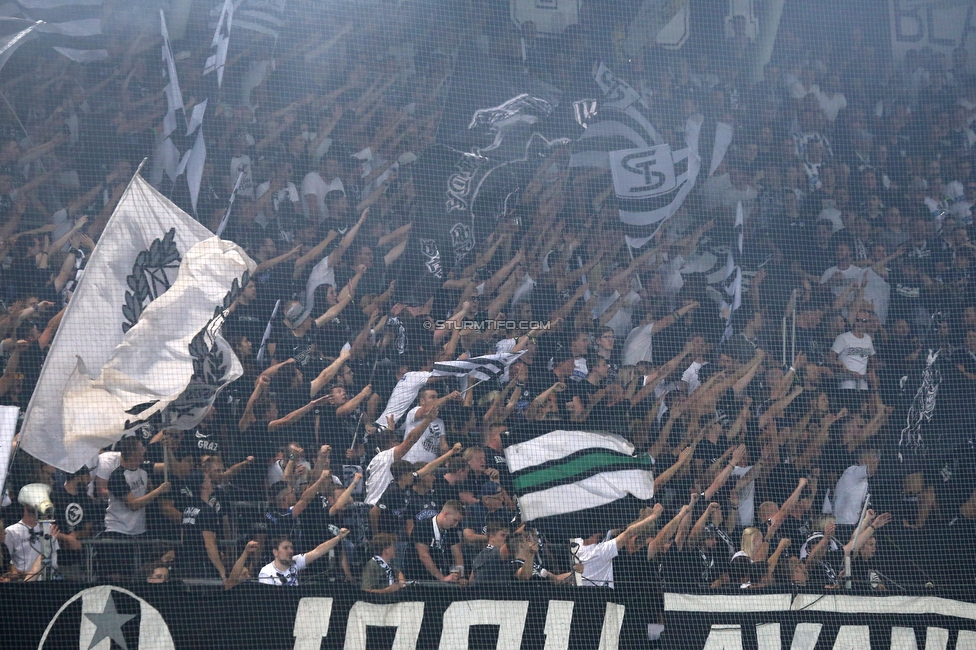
{"x":862,"y":320}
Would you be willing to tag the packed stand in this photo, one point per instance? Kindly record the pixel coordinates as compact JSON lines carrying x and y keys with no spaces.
{"x":849,"y":368}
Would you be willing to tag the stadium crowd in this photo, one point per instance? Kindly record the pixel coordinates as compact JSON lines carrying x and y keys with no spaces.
{"x":849,"y":368}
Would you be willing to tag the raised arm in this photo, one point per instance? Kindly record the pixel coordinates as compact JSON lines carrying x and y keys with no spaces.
{"x":297,"y":414}
{"x":725,"y":474}
{"x":638,"y":526}
{"x":777,"y":520}
{"x":349,"y":407}
{"x":317,"y":250}
{"x":237,"y":571}
{"x":346,"y":497}
{"x":669,"y":473}
{"x":310,"y":493}
{"x":328,"y":373}
{"x":429,"y":468}
{"x":401,"y":450}
{"x":326,"y":546}
{"x":665,"y":534}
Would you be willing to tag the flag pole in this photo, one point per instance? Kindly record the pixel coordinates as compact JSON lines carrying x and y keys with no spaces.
{"x":230,"y":205}
{"x":17,"y":117}
{"x":480,"y":381}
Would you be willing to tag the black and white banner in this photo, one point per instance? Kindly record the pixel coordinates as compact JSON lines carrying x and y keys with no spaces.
{"x":817,"y":622}
{"x":651,"y":177}
{"x":72,"y":27}
{"x":170,"y":616}
{"x":932,"y":24}
{"x":489,"y":366}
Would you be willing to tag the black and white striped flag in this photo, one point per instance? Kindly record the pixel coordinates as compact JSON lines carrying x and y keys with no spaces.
{"x":71,"y":27}
{"x":489,"y":366}
{"x":260,"y":16}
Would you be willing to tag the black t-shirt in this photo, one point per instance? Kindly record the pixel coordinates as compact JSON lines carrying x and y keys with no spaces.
{"x":826,"y":571}
{"x":198,"y":518}
{"x":74,"y":512}
{"x":394,"y":508}
{"x":444,"y":491}
{"x":708,"y":452}
{"x":439,"y":544}
{"x":281,"y":523}
{"x":496,"y":460}
{"x":276,"y":283}
{"x":316,"y":518}
{"x":477,"y":517}
{"x":338,"y":431}
{"x":490,"y":568}
{"x":422,"y":506}
{"x":251,"y":321}
{"x":205,"y":441}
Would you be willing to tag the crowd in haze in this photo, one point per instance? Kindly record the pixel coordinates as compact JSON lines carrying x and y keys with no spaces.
{"x":337,"y":446}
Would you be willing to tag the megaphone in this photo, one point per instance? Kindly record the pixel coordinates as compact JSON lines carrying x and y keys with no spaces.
{"x":37,"y":497}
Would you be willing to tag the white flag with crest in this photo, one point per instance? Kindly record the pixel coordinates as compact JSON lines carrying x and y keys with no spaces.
{"x":138,"y":339}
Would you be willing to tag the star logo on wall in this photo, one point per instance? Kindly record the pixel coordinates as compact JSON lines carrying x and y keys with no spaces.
{"x":108,"y":624}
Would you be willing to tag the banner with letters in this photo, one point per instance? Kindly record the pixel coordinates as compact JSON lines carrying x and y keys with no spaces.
{"x":936,"y":24}
{"x":834,"y":621}
{"x":172,"y":616}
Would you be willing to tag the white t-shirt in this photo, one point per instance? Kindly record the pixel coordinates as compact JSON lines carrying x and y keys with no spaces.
{"x":378,"y":476}
{"x":118,"y":517}
{"x":428,"y":447}
{"x":799,"y":91}
{"x":833,"y":215}
{"x":277,"y":471}
{"x":831,"y":105}
{"x":876,"y":291}
{"x":288,"y":193}
{"x":22,"y":551}
{"x":690,"y":376}
{"x":107,"y":462}
{"x":240,"y":164}
{"x":597,"y":561}
{"x":638,"y":346}
{"x":270,"y":575}
{"x":849,"y":494}
{"x":854,"y":353}
{"x":313,"y":183}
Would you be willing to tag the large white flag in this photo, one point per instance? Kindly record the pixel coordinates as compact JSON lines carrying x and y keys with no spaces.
{"x":139,"y":335}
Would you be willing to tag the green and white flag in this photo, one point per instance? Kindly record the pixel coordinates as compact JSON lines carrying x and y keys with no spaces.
{"x":573,"y":482}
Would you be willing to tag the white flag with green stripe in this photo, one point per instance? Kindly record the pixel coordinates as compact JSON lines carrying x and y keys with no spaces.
{"x":566,"y":479}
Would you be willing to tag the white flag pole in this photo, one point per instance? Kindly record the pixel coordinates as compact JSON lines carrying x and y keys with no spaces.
{"x":223,"y":222}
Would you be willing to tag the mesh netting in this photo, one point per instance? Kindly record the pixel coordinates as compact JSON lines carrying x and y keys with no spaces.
{"x":529,"y":324}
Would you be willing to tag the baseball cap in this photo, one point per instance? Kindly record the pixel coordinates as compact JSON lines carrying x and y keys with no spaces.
{"x":490,"y":488}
